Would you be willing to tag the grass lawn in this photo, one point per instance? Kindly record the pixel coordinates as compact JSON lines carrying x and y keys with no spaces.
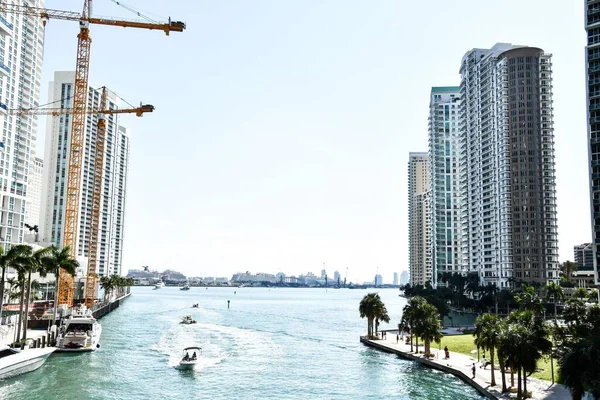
{"x":464,"y":344}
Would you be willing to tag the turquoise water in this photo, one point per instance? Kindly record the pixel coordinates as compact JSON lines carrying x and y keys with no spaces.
{"x":271,"y":344}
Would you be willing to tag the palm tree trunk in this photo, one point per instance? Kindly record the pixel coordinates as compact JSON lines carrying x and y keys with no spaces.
{"x":524,"y":384}
{"x":555,"y":308}
{"x":492,"y":365}
{"x":512,"y":377}
{"x":411,"y":338}
{"x":417,"y":343}
{"x":26,"y":319}
{"x":502,"y":372}
{"x":519,"y":393}
{"x":427,"y":347}
{"x":20,"y":321}
{"x":2,"y":292}
{"x":56,"y":287}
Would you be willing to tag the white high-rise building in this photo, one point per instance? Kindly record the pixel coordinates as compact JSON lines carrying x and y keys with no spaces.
{"x":507,"y":171}
{"x":21,"y":48}
{"x":396,"y":278}
{"x":445,"y":194}
{"x":114,"y":186}
{"x":419,"y":219}
{"x":34,"y":192}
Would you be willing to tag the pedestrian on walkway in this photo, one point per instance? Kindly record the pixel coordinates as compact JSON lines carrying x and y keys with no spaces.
{"x":447,"y":352}
{"x":397,"y":337}
{"x":473,"y":369}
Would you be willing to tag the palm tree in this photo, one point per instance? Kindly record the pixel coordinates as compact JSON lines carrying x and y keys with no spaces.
{"x":34,"y":263}
{"x":555,"y":292}
{"x":107,"y":283}
{"x":428,"y":327}
{"x":567,"y":268}
{"x":369,"y":308}
{"x":55,"y":261}
{"x":20,"y":265}
{"x":381,"y":314}
{"x":487,"y":336}
{"x":529,"y":300}
{"x":411,"y":313}
{"x":593,"y":296}
{"x":581,"y":293}
{"x":579,"y":369}
{"x":6,"y":259}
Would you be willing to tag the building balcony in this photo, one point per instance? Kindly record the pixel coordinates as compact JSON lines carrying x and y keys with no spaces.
{"x":4,"y":70}
{"x":3,"y":108}
{"x":6,"y":27}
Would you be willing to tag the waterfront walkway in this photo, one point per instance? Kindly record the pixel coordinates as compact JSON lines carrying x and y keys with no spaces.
{"x":7,"y":334}
{"x":460,"y":366}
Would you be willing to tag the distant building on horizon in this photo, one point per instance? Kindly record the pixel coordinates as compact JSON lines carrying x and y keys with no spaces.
{"x":592,"y":61}
{"x":395,"y":278}
{"x":336,"y":277}
{"x":419,"y":218}
{"x":584,"y":257}
{"x":404,"y":277}
{"x":445,"y":193}
{"x":507,"y":168}
{"x":378,"y":280}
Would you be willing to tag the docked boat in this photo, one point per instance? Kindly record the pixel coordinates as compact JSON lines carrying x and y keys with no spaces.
{"x":79,"y":333}
{"x":190,"y":357}
{"x":188,"y":320}
{"x":14,"y":362}
{"x":186,"y":287}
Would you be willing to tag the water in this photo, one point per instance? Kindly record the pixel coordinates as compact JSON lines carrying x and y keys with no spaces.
{"x":271,"y":344}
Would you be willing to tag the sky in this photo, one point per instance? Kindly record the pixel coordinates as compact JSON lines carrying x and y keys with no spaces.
{"x":282,"y":129}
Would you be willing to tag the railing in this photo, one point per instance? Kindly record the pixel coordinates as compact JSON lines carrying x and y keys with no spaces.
{"x":5,"y":22}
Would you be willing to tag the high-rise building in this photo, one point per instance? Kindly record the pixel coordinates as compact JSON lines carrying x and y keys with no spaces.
{"x":395,"y":278}
{"x":34,"y":192}
{"x":584,"y":257}
{"x":21,"y":47}
{"x":378,"y":280}
{"x":404,"y":277}
{"x":336,"y":277}
{"x":592,"y":59}
{"x":445,"y":194}
{"x":419,"y":218}
{"x":114,"y":185}
{"x":507,"y":171}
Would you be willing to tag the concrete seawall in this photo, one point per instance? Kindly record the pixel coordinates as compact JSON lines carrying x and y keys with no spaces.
{"x":107,"y":308}
{"x":381,"y":345}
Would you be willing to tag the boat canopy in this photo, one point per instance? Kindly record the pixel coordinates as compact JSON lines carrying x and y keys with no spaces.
{"x":192,"y":348}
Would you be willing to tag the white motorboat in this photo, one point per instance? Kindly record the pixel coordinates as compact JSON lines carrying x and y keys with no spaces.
{"x":186,"y":287}
{"x":187,"y":320}
{"x":190,"y":357}
{"x":14,"y":362}
{"x":79,"y":333}
{"x":159,"y":285}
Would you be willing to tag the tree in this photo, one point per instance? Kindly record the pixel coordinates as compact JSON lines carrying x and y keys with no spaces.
{"x":428,"y":326}
{"x":487,"y":336}
{"x":371,"y":307}
{"x":579,"y":369}
{"x":411,"y":313}
{"x":555,"y":292}
{"x":55,"y":260}
{"x":593,"y":296}
{"x":529,"y":300}
{"x":6,"y":259}
{"x":582,"y":293}
{"x":33,"y":263}
{"x":567,"y":268}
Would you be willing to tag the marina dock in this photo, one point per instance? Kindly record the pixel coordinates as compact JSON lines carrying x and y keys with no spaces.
{"x":460,"y":366}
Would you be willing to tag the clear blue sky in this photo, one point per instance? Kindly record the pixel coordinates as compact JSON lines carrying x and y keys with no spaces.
{"x":282,"y":128}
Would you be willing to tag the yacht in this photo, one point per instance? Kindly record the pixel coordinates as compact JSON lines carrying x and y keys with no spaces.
{"x":15,"y":362}
{"x":159,"y":285}
{"x":189,"y":361}
{"x":79,"y":333}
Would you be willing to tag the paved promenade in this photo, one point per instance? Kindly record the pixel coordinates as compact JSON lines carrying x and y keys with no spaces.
{"x":460,"y":366}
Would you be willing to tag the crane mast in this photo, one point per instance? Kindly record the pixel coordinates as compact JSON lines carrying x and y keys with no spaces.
{"x":77,"y":140}
{"x":90,"y":282}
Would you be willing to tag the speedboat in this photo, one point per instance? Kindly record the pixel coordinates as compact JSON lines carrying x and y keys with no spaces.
{"x":195,"y":305}
{"x":186,"y":287}
{"x":79,"y":333}
{"x":190,"y":357}
{"x":159,"y":285}
{"x":15,"y":362}
{"x":188,"y":320}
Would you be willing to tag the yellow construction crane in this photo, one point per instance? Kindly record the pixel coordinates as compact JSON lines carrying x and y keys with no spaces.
{"x":55,"y":112}
{"x":65,"y":294}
